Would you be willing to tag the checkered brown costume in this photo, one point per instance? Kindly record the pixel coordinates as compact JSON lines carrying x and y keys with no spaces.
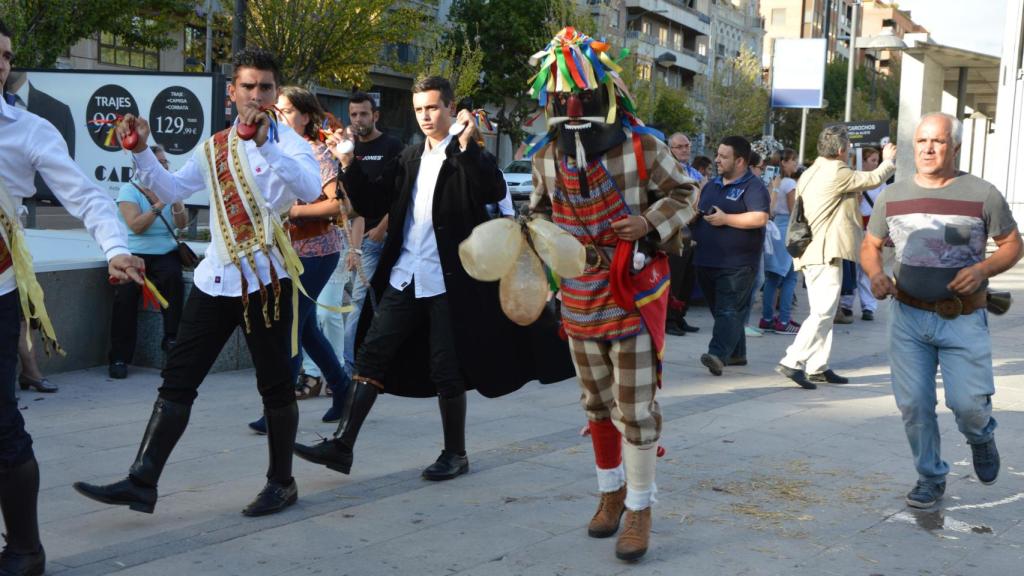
{"x":618,"y":377}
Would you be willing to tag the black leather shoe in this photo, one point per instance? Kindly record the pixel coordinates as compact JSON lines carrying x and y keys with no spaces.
{"x":273,"y":498}
{"x":333,"y":453}
{"x":686,"y":327}
{"x":797,"y":376}
{"x":867,"y":316}
{"x":259,"y":426}
{"x":118,"y":370}
{"x":21,"y":564}
{"x":829,"y":377}
{"x":674,"y":329}
{"x":41,"y":385}
{"x":736,"y":361}
{"x":448,"y":466}
{"x":127,"y":492}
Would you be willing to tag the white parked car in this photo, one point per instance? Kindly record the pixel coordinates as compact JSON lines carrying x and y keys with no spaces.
{"x":519,"y":178}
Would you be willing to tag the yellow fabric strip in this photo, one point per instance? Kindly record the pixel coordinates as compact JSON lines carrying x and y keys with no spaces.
{"x":156,"y":293}
{"x":30,"y":293}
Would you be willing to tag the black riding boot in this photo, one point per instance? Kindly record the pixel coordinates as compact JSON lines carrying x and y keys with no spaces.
{"x":280,"y":491}
{"x":19,"y":491}
{"x":452,"y":462}
{"x":336,"y":453}
{"x":138,"y":490}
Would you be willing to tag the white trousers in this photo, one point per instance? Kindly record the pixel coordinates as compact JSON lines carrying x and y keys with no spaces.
{"x":813,"y":344}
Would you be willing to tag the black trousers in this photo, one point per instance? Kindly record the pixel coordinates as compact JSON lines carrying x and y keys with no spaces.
{"x":683,"y":276}
{"x":208,"y":322}
{"x":165,"y":271}
{"x":399,"y":315}
{"x":15,"y":442}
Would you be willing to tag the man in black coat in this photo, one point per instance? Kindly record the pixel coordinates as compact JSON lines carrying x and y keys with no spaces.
{"x":434,"y":330}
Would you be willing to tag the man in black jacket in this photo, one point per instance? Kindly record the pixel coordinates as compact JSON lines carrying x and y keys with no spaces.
{"x":435,"y":330}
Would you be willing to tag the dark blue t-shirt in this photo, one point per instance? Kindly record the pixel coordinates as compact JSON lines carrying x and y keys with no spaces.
{"x":725,"y":246}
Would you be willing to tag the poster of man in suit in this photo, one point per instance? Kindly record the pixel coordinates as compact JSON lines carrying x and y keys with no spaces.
{"x":27,"y":97}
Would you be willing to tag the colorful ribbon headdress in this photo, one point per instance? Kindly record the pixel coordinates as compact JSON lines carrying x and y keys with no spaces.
{"x":574,"y":62}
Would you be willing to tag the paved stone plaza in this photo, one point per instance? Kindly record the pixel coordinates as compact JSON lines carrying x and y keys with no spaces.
{"x":760,"y":477}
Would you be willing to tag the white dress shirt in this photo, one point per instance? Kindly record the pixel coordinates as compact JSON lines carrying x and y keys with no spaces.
{"x":419,"y":261}
{"x":283,"y":171}
{"x":29,"y":144}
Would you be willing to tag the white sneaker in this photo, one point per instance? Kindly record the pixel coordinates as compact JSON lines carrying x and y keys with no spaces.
{"x":752,"y":332}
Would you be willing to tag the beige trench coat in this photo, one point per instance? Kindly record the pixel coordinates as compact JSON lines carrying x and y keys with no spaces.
{"x":831,"y":194}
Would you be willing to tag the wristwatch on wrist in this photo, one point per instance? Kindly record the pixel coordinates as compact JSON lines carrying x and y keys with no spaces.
{"x":155,"y":209}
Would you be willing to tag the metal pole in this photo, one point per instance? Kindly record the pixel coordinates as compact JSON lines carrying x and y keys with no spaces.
{"x":874,"y":79}
{"x":238,"y":29}
{"x":209,"y":36}
{"x":853,"y":62}
{"x":961,"y":92}
{"x":826,"y":30}
{"x":803,"y":136}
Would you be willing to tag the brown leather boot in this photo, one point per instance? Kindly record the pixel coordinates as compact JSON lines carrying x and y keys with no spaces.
{"x":633,"y":540}
{"x":609,"y":511}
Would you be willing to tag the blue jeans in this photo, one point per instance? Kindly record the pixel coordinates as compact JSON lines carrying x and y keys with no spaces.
{"x":919,"y":343}
{"x":332,"y":324}
{"x":727,"y":292}
{"x":786,"y":286}
{"x":316,"y":271}
{"x":371,"y":256}
{"x":758,"y":283}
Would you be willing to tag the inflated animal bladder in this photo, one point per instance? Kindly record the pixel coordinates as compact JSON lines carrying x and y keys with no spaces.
{"x":500,"y":250}
{"x":491,"y":249}
{"x":524,"y":289}
{"x":557,"y":248}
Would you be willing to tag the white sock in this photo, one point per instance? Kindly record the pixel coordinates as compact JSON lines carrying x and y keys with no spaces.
{"x":640,"y":465}
{"x":610,"y":479}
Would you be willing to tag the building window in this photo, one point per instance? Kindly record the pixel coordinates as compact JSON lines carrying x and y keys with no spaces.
{"x":778,"y":17}
{"x":643,"y":71}
{"x":647,"y":27}
{"x":662,"y":36}
{"x":113,"y":50}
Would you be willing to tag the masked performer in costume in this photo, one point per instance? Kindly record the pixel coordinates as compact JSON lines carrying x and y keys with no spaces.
{"x":31,"y":145}
{"x":242,"y":281}
{"x":431,"y":329}
{"x":612,"y":183}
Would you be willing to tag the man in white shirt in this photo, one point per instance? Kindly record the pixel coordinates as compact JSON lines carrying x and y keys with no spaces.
{"x":31,"y":145}
{"x":434,"y":330}
{"x":251,"y":183}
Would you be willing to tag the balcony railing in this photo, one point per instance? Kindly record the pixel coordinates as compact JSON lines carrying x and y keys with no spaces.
{"x":653,"y":41}
{"x":683,"y":6}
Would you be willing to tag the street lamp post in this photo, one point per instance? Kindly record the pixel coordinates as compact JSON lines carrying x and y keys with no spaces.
{"x":666,"y":60}
{"x":885,"y":40}
{"x":853,"y":60}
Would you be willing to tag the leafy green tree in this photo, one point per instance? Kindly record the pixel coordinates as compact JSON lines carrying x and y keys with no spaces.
{"x":669,"y":110}
{"x":45,"y":30}
{"x":509,"y":32}
{"x":460,"y":63}
{"x":735,"y":99}
{"x":331,"y":43}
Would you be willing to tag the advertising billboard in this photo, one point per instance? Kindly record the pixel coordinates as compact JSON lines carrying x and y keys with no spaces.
{"x":83,"y":106}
